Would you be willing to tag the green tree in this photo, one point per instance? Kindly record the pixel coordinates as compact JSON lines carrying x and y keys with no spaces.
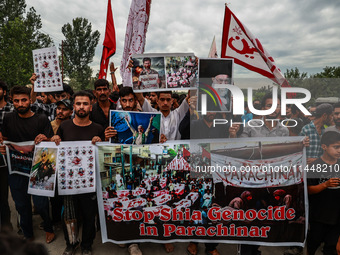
{"x":321,"y":84}
{"x":329,"y":72}
{"x":294,"y":77}
{"x":11,"y":9}
{"x":18,"y":37}
{"x":79,"y":48}
{"x":295,"y":74}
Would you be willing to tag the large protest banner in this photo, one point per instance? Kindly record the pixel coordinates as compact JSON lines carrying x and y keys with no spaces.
{"x":148,"y":193}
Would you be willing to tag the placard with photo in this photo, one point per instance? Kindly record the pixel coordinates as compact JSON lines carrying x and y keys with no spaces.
{"x":135,"y":127}
{"x":42,"y":178}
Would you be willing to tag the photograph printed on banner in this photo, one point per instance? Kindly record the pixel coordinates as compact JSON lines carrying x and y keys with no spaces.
{"x":258,"y":174}
{"x":76,"y":169}
{"x":19,"y":157}
{"x":181,"y":71}
{"x":157,"y":179}
{"x":46,"y":67}
{"x":148,"y":72}
{"x":43,"y":174}
{"x":214,"y":75}
{"x":148,"y":191}
{"x":135,"y":127}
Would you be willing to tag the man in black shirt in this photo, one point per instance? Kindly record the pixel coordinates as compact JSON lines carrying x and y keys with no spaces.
{"x":20,"y":126}
{"x":81,"y":128}
{"x":204,"y":129}
{"x":101,"y":110}
{"x":324,"y":194}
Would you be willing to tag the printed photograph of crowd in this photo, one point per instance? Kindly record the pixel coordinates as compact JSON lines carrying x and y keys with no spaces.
{"x":159,"y":177}
{"x":181,"y":71}
{"x":148,"y":73}
{"x":234,"y":189}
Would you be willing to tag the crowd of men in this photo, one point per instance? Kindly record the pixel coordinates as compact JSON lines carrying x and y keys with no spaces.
{"x":84,"y":115}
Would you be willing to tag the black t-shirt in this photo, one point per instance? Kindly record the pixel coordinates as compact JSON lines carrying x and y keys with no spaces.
{"x":17,"y":129}
{"x":68,"y":131}
{"x":97,"y":115}
{"x":199,"y":130}
{"x":324,"y":207}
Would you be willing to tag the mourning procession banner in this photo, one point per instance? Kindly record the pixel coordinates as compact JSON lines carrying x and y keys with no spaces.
{"x":175,"y":191}
{"x":70,"y":164}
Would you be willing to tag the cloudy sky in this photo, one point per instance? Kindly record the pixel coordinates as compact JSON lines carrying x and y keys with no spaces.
{"x":303,"y":34}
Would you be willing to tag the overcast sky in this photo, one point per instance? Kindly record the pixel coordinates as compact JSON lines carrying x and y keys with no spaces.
{"x":303,"y":33}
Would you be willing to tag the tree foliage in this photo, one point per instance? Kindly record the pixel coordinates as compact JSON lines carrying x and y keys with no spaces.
{"x":321,"y":84}
{"x":79,"y":49}
{"x":11,"y":9}
{"x":19,"y":35}
{"x":329,"y":72}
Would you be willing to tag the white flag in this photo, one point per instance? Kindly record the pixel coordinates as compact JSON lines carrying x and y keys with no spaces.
{"x":213,"y":50}
{"x":135,"y":36}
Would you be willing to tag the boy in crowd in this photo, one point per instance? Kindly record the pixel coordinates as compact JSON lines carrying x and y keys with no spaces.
{"x":323,"y":196}
{"x":314,"y":130}
{"x":170,"y":119}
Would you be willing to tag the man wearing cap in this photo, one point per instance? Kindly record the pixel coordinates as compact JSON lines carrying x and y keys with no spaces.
{"x":64,"y":111}
{"x":314,"y":130}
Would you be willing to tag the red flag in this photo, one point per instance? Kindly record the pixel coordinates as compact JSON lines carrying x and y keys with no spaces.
{"x":135,"y":36}
{"x":246,"y":49}
{"x":186,"y":153}
{"x":205,"y":153}
{"x":109,"y":43}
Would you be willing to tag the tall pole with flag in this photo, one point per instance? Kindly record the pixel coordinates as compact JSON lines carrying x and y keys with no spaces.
{"x":135,"y":36}
{"x":109,"y":44}
{"x":246,"y":50}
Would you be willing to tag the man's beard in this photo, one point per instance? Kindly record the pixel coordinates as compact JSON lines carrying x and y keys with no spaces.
{"x":62,"y":117}
{"x":222,"y":92}
{"x":337,"y":123}
{"x":22,"y":110}
{"x":83,"y":114}
{"x":130,"y":108}
{"x":2,"y":97}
